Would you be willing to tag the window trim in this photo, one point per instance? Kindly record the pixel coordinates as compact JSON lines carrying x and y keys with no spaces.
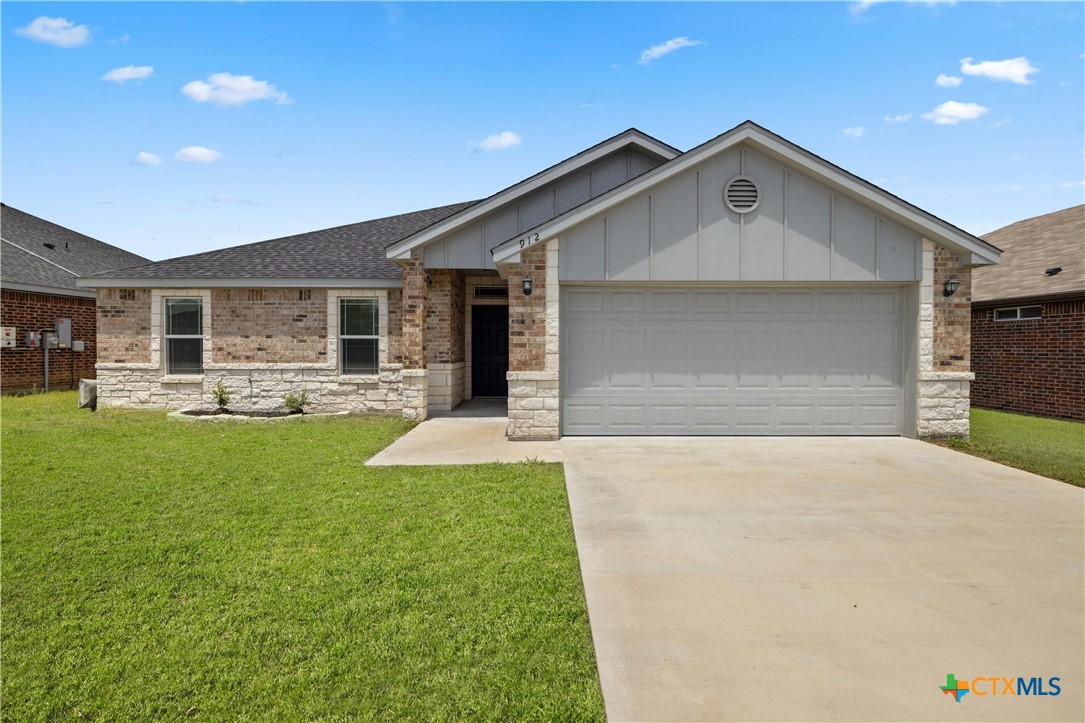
{"x":1017,"y":313}
{"x":341,"y":367}
{"x":167,"y":337}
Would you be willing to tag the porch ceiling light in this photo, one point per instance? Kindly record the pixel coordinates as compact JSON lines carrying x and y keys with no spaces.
{"x":950,"y":287}
{"x":527,"y":286}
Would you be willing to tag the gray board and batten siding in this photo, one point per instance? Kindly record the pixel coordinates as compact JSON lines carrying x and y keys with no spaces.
{"x":681,"y":230}
{"x":469,"y":247}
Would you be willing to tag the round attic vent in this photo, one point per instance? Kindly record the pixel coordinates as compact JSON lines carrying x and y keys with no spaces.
{"x":742,"y":194}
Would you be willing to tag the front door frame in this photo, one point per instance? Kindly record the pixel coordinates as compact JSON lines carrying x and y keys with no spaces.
{"x":471,"y":280}
{"x":499,"y":385}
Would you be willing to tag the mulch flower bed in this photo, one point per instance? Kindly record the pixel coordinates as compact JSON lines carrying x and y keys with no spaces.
{"x":232,"y":412}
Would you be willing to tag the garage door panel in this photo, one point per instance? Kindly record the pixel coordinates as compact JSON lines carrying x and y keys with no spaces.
{"x":705,"y":361}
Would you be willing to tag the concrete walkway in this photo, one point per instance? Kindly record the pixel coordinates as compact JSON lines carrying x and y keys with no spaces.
{"x":467,"y":439}
{"x":763,"y":579}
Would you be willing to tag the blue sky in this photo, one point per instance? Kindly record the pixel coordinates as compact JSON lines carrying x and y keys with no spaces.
{"x":352,"y":111}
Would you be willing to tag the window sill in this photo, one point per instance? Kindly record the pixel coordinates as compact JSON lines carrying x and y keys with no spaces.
{"x":181,"y":379}
{"x":358,"y":378}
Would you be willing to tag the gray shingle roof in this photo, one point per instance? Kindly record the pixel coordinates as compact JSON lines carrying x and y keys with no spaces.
{"x":354,"y":251}
{"x":1029,"y":248}
{"x":27,"y":260}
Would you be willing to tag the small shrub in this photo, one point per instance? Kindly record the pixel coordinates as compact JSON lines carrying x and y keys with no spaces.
{"x":221,"y":395}
{"x":296,"y":401}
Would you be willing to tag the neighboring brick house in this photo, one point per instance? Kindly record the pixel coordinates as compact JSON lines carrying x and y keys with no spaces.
{"x":745,"y":286}
{"x":39,"y":262}
{"x":1028,"y":319}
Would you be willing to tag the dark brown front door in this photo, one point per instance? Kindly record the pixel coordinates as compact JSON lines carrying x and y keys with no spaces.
{"x":489,"y":351}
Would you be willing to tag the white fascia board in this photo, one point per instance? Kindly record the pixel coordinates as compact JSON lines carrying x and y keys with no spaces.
{"x":401,"y":250}
{"x":283,"y":283}
{"x":932,"y":228}
{"x":51,"y":290}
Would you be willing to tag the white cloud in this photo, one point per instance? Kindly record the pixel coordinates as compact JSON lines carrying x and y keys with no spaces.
{"x":147,"y":159}
{"x":948,"y":81}
{"x":122,"y":40}
{"x":229,"y":89}
{"x":56,"y":31}
{"x":129,"y":72}
{"x":658,"y":51}
{"x":197,"y":154}
{"x":902,"y":118}
{"x":240,"y":200}
{"x":860,"y":7}
{"x":497,"y":142}
{"x":952,"y":112}
{"x":1073,"y":184}
{"x":1014,"y":70}
{"x":856,"y":132}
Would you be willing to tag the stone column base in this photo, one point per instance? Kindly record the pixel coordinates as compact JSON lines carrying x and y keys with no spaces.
{"x":533,"y":406}
{"x":415,"y":394}
{"x":943,"y":404}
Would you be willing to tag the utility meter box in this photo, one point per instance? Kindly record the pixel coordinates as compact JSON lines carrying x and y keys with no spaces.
{"x":63,"y":328}
{"x":50,"y":340}
{"x":79,"y":345}
{"x":33,"y":339}
{"x":7,"y":338}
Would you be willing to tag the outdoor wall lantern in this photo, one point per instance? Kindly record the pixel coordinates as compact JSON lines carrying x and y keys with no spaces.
{"x":527,"y":286}
{"x":950,"y":287}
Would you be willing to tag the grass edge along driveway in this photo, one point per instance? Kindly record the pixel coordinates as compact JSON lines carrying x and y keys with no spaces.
{"x":153,"y":569}
{"x":1052,"y":448}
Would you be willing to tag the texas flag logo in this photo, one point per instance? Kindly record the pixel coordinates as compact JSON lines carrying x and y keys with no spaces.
{"x":957,"y":688}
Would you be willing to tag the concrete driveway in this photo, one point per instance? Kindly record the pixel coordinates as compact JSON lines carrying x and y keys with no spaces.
{"x":824,"y":579}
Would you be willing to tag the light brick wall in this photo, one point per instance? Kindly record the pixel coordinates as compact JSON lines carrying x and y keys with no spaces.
{"x":534,"y":403}
{"x":952,"y":314}
{"x":124,"y":326}
{"x":527,"y":314}
{"x":395,"y":326}
{"x":414,"y":312}
{"x":444,"y":317}
{"x":267,"y":372}
{"x":269,"y":326}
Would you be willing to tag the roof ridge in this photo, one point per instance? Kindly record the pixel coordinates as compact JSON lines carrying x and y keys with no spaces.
{"x":39,"y":256}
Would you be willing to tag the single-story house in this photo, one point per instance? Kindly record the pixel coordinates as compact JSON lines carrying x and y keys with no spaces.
{"x":745,"y":286}
{"x":39,"y":262}
{"x":1028,"y":319}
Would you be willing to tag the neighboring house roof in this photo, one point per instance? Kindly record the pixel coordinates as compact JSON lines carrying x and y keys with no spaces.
{"x":341,"y":255}
{"x":626,"y":139}
{"x":973,"y":250}
{"x":40,"y":256}
{"x":1029,"y":249}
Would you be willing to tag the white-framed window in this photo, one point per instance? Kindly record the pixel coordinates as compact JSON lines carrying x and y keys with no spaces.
{"x":1019,"y":313}
{"x":184,"y":336}
{"x":359,"y":336}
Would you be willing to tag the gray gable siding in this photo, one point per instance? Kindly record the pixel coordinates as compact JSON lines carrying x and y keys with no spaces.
{"x":469,"y":247}
{"x":682,"y":231}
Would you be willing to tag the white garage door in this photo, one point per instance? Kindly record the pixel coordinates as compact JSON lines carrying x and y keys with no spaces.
{"x":640,"y":361}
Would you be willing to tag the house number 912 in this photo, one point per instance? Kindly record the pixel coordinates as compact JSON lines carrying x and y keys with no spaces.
{"x":528,"y":240}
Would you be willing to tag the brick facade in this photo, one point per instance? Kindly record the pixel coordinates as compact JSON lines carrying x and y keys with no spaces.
{"x":261,"y":344}
{"x":445,"y":317}
{"x":527,"y":314}
{"x":22,"y":369}
{"x":952,"y":320}
{"x":395,"y":326}
{"x":942,"y":386}
{"x":1031,"y":366}
{"x":269,"y":326}
{"x":124,"y":326}
{"x":534,"y":390}
{"x":415,"y":281}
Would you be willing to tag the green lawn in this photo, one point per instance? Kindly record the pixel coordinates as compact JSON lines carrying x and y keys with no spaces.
{"x":1049,"y":447}
{"x":153,"y":569}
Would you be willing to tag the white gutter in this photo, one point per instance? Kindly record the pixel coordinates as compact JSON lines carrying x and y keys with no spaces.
{"x":92,"y":282}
